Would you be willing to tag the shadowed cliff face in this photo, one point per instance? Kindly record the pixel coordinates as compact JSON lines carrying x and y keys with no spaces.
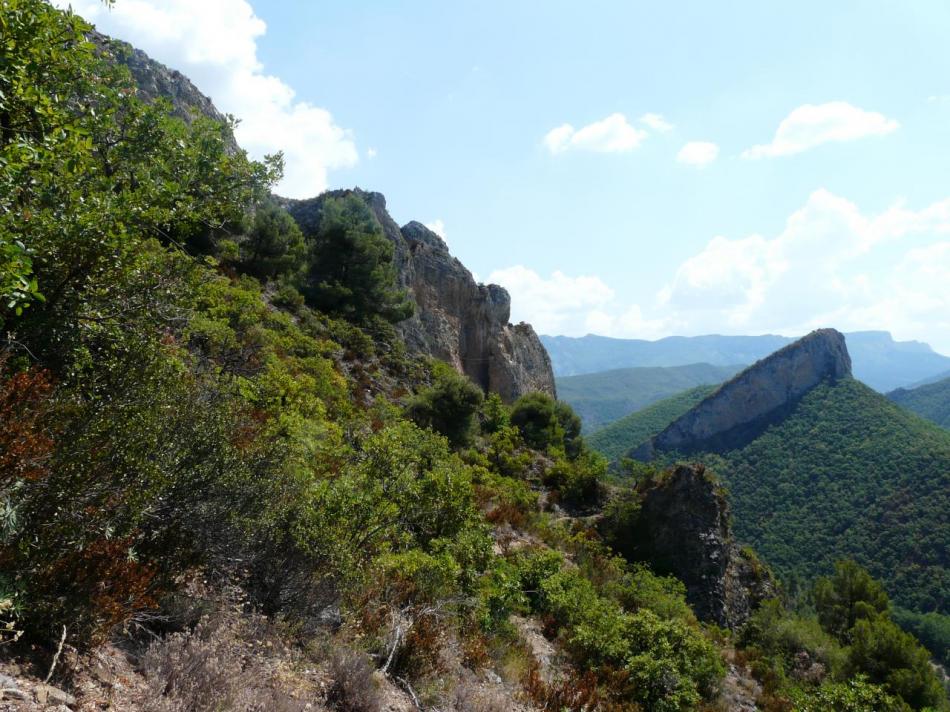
{"x":456,"y":319}
{"x":760,"y":395}
{"x":684,"y":530}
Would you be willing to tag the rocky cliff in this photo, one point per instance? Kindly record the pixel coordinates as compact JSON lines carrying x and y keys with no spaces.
{"x":456,"y":319}
{"x":760,"y":395}
{"x":684,"y":529}
{"x":156,"y":81}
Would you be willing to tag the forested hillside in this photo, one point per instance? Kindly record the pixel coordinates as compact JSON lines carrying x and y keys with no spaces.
{"x":601,"y":398}
{"x":617,"y":439}
{"x":847,"y":473}
{"x":930,"y":401}
{"x":227,"y":484}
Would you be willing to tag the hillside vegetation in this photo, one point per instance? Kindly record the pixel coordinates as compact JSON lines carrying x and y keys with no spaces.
{"x":620,"y":437}
{"x":601,"y":398}
{"x":225,"y":484}
{"x":848,"y":473}
{"x":930,"y":401}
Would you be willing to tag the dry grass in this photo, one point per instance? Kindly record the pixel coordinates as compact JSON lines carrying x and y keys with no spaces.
{"x":353,"y":687}
{"x":225,"y":663}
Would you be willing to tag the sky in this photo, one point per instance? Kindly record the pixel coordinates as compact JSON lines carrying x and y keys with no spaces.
{"x":631,"y":169}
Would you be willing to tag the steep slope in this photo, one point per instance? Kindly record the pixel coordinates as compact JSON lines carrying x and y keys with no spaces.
{"x":601,"y":398}
{"x":762,"y":394}
{"x":615,"y":440}
{"x":819,"y":467}
{"x":456,"y":319}
{"x":930,"y":401}
{"x":684,"y":529}
{"x":879,"y":360}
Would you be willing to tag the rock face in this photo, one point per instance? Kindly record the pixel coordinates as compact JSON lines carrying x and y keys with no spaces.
{"x":684,"y":530}
{"x":744,"y":406}
{"x":156,"y":81}
{"x":456,"y":319}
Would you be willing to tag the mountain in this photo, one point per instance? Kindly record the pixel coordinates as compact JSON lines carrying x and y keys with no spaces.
{"x":455,"y":319}
{"x":879,"y":360}
{"x":572,"y":356}
{"x":601,"y":398}
{"x":930,"y":401}
{"x":819,"y":467}
{"x":614,"y":440}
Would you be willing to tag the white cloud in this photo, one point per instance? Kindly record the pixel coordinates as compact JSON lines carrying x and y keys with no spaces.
{"x":811,"y":125}
{"x":612,"y":134}
{"x":554,"y":305}
{"x":214,"y":43}
{"x":831,"y":265}
{"x":371,"y":153}
{"x":656,"y":122}
{"x":437,"y":226}
{"x":698,"y":153}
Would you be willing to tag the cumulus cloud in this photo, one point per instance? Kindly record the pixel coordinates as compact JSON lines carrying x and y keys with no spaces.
{"x":437,"y":226}
{"x":698,"y":153}
{"x":613,"y":134}
{"x":554,"y":305}
{"x":656,"y":122}
{"x":214,"y":42}
{"x":831,"y":265}
{"x":811,"y":125}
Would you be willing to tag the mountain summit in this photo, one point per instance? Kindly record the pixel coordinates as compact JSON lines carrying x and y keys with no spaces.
{"x":763,"y":393}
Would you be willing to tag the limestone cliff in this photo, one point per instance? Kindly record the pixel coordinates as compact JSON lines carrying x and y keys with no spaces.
{"x":763,"y":393}
{"x":456,"y":319}
{"x":683,"y":529}
{"x":156,"y":81}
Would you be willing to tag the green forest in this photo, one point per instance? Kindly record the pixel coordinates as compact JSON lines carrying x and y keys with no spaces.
{"x":615,"y":440}
{"x":604,"y":397}
{"x":217,"y":454}
{"x":930,"y":401}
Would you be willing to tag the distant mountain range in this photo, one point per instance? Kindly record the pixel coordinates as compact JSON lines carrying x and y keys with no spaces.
{"x":878,"y":360}
{"x":601,"y":398}
{"x":930,"y":401}
{"x":818,"y":467}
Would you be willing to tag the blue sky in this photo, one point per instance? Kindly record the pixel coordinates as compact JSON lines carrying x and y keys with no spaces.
{"x":660,"y":216}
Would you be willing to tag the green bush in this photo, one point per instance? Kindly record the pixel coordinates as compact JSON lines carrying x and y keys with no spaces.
{"x":350,"y":270}
{"x":449,"y":406}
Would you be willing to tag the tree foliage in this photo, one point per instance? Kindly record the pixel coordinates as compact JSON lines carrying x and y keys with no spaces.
{"x":350,"y":270}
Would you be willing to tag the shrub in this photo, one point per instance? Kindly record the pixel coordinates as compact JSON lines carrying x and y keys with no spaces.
{"x":857,"y":695}
{"x":353,"y":687}
{"x":851,"y":594}
{"x":350,"y":270}
{"x":448,"y":406}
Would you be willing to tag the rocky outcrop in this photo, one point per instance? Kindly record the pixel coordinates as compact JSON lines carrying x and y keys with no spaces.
{"x":156,"y":81}
{"x":683,"y":529}
{"x":760,"y":395}
{"x":456,"y":319}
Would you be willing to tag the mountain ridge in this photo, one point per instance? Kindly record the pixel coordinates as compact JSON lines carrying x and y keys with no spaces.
{"x":878,"y":360}
{"x":743,"y":406}
{"x":455,"y":319}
